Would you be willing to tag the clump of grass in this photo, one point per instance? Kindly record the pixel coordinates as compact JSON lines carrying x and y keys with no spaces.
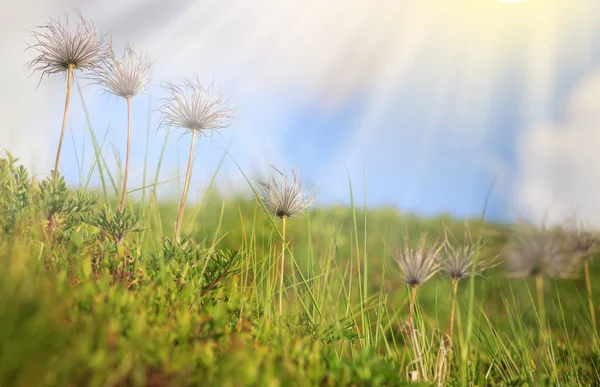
{"x":197,"y":109}
{"x":63,"y":47}
{"x":125,"y":78}
{"x":285,"y":198}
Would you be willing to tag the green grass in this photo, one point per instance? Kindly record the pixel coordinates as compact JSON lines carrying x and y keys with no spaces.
{"x":205,"y":311}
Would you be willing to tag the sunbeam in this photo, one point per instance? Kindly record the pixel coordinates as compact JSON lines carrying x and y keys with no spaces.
{"x":438,"y":89}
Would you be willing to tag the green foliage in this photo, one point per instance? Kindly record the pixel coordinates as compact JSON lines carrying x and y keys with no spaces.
{"x":15,"y":195}
{"x":114,"y":224}
{"x":23,"y":204}
{"x":208,"y":268}
{"x":112,"y":300}
{"x":62,"y":207}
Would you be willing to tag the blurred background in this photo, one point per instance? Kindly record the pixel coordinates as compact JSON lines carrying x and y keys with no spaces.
{"x":429,"y":100}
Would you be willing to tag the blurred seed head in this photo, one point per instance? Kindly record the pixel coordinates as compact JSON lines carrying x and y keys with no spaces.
{"x":61,"y":44}
{"x":194,"y":107}
{"x":545,"y":252}
{"x":456,"y":262}
{"x":584,"y":244}
{"x":419,"y":264}
{"x":127,"y":77}
{"x":285,"y":197}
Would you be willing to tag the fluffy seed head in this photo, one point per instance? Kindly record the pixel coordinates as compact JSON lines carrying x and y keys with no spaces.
{"x":544,"y":252}
{"x":61,"y":44}
{"x":193,"y":107}
{"x":127,"y":77}
{"x":285,"y":197}
{"x":583,"y":243}
{"x":420,"y":264}
{"x":456,"y":262}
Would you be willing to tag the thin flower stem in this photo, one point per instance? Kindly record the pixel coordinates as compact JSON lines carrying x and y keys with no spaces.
{"x":64,"y":123}
{"x":124,"y":192}
{"x":123,"y":273}
{"x":539,"y":284}
{"x":124,"y":268}
{"x":185,"y":186}
{"x":283,"y":220}
{"x":586,"y":268}
{"x":454,"y":292}
{"x":413,"y":331}
{"x":413,"y":296}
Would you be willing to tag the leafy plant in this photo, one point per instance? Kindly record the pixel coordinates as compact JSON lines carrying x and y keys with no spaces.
{"x":62,"y":208}
{"x":116,"y":225}
{"x":15,"y":195}
{"x":210,"y":268}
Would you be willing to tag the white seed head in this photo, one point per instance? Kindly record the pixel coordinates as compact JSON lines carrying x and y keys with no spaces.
{"x":419,"y":264}
{"x":285,"y":197}
{"x":62,"y":44}
{"x":545,"y":252}
{"x":194,"y":107}
{"x":456,"y":262}
{"x":127,"y":77}
{"x":585,"y":244}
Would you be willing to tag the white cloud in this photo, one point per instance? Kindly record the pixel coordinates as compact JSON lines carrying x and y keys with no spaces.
{"x":558,"y":162}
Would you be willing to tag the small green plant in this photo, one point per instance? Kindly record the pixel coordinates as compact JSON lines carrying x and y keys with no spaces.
{"x":115,"y":226}
{"x":184,"y":259}
{"x":15,"y":195}
{"x":62,"y":208}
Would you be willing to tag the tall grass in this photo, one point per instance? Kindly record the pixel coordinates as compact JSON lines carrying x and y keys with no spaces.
{"x":175,"y":322}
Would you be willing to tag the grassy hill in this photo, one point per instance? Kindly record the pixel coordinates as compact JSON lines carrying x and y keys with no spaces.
{"x":93,"y":296}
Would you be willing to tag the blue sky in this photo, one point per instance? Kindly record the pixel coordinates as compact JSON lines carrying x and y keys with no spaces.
{"x":432,"y":100}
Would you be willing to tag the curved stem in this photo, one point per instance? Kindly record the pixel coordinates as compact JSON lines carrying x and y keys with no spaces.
{"x":124,"y":192}
{"x":454,"y":292}
{"x":185,"y":187}
{"x":283,"y":219}
{"x":64,"y":123}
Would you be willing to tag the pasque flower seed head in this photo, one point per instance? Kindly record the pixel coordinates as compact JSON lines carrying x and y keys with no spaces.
{"x":62,"y":45}
{"x":285,"y":197}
